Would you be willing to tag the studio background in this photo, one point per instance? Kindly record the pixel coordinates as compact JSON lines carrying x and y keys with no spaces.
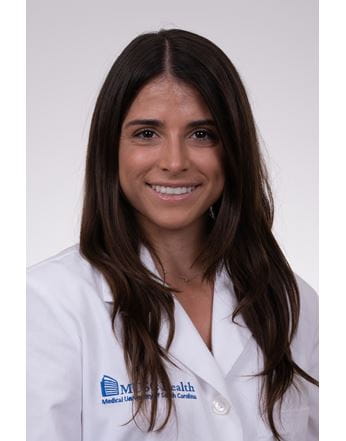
{"x":71,"y":45}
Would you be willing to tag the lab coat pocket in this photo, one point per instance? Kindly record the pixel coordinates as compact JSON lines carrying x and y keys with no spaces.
{"x":292,"y":426}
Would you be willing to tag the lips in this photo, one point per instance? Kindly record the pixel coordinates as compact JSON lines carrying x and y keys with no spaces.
{"x":170,"y":193}
{"x":173,"y":190}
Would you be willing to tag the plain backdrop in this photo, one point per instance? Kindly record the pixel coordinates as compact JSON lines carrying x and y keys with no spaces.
{"x":71,"y":45}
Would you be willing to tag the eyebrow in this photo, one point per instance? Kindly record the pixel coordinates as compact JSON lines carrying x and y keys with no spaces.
{"x":158,"y":123}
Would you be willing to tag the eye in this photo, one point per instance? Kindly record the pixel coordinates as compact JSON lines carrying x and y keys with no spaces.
{"x":204,"y":135}
{"x":145,"y":134}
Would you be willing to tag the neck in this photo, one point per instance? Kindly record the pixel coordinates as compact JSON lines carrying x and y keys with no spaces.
{"x":177,"y":249}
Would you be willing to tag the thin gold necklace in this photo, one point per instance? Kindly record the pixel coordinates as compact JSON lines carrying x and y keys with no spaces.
{"x":184,"y":278}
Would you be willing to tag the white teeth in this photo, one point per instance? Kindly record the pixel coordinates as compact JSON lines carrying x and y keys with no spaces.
{"x":172,"y":190}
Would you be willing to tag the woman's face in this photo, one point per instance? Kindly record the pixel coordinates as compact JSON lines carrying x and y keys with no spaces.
{"x":170,"y":157}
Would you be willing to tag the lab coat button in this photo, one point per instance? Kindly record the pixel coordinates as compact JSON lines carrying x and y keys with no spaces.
{"x":220,"y":406}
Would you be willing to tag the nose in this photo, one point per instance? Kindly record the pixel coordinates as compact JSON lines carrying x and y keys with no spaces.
{"x":174,"y":156}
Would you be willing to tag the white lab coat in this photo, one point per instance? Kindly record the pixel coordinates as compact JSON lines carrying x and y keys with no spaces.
{"x":78,"y":387}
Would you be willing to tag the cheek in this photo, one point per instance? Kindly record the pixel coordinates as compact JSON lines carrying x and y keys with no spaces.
{"x":132,"y":167}
{"x":212,"y":167}
{"x":130,"y":162}
{"x":125,"y":169}
{"x":219,"y":167}
{"x":219,"y":184}
{"x":217,"y":175}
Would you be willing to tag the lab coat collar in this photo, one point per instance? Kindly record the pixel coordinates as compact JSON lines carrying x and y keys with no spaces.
{"x":147,"y":261}
{"x":188,"y":348}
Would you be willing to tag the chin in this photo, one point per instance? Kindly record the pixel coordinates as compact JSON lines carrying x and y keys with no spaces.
{"x":173,"y":223}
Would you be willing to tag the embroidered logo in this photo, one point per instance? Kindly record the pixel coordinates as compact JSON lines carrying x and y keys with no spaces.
{"x":109,"y":386}
{"x":120,"y":393}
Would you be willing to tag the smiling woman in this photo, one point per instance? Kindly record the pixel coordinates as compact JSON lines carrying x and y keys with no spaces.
{"x":177,"y":316}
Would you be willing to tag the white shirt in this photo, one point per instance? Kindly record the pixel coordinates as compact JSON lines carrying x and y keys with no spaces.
{"x":79,"y":389}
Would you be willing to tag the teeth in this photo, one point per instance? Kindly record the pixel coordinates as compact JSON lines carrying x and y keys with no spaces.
{"x":172,"y":190}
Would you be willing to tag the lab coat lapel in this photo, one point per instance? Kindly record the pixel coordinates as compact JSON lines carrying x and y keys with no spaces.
{"x":228,"y":339}
{"x":188,"y":347}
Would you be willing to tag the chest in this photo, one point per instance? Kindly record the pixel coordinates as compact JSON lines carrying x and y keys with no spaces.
{"x":197,"y":301}
{"x":209,"y":405}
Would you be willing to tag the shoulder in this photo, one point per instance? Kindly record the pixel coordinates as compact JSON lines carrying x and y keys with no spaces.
{"x":305,"y":341}
{"x":308,"y":301}
{"x":69,"y":258}
{"x":64,"y":277}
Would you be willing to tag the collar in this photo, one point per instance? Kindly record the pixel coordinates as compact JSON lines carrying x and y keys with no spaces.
{"x":147,"y":261}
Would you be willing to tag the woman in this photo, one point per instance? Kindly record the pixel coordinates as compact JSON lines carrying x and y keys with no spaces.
{"x":177,"y":317}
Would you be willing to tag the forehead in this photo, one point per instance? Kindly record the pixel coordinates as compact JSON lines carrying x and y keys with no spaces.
{"x":163,"y":94}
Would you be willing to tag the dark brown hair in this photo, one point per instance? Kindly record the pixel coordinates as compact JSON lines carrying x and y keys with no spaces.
{"x":264,"y":284}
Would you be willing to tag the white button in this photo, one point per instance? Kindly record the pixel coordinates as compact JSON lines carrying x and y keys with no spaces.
{"x":220,"y":406}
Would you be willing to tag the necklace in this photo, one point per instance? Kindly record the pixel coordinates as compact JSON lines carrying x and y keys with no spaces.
{"x":183,"y":278}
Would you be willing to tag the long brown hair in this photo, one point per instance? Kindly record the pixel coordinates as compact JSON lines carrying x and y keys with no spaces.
{"x":264,"y":284}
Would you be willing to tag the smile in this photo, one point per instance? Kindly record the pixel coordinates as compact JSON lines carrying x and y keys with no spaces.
{"x":173,"y":190}
{"x":170,"y":194}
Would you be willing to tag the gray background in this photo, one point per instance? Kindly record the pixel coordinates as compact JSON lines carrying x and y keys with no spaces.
{"x":72,"y":44}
